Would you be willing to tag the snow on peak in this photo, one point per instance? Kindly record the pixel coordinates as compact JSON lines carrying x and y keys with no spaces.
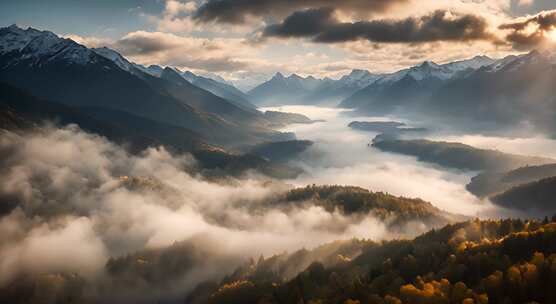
{"x":115,"y":57}
{"x":14,"y":38}
{"x":513,"y":62}
{"x":429,"y":69}
{"x":38,"y":46}
{"x":217,"y":78}
{"x":474,"y":63}
{"x":153,"y":70}
{"x":358,"y":78}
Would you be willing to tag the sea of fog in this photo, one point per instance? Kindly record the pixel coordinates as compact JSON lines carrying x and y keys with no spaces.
{"x":341,"y":155}
{"x":76,"y":209}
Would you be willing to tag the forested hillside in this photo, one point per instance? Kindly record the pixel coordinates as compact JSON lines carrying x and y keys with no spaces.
{"x":507,"y":261}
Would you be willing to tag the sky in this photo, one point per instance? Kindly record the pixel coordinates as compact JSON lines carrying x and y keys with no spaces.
{"x":253,"y":39}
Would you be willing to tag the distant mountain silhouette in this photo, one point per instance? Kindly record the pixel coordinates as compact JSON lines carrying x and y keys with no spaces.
{"x":410,"y":87}
{"x":60,"y":69}
{"x":21,"y":111}
{"x":479,"y":94}
{"x":221,"y":89}
{"x":281,"y":90}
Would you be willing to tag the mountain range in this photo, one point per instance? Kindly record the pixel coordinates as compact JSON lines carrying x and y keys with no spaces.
{"x":409,"y":85}
{"x":295,"y":89}
{"x":355,"y":89}
{"x":221,"y":89}
{"x":61,"y":70}
{"x":285,"y":90}
{"x":481,"y":94}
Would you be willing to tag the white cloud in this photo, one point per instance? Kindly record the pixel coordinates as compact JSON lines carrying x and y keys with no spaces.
{"x":90,"y":41}
{"x":77,"y":207}
{"x":229,"y":50}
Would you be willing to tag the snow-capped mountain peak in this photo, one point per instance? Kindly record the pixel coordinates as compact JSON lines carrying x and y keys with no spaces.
{"x":153,"y":70}
{"x":115,"y":57}
{"x":513,"y":62}
{"x":474,"y":63}
{"x":429,"y":69}
{"x":358,"y":79}
{"x":14,"y":38}
{"x":38,"y":46}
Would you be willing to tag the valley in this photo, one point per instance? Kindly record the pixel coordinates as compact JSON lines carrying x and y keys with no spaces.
{"x":127,"y":176}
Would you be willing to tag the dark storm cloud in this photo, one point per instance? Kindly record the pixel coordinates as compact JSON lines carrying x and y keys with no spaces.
{"x":235,"y":11}
{"x":530,"y":33}
{"x":306,"y":23}
{"x":320,"y":25}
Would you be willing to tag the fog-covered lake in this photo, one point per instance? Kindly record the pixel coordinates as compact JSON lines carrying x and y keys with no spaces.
{"x":343,"y":156}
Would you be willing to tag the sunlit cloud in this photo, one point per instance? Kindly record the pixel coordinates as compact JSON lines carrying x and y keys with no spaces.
{"x":197,"y":36}
{"x":531,"y":32}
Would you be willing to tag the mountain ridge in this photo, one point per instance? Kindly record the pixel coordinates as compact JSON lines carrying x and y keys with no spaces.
{"x":60,"y":69}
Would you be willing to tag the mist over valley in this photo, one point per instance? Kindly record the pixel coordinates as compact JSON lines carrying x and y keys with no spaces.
{"x":269,"y":152}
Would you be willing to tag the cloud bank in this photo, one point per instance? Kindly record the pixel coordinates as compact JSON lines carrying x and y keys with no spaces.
{"x":321,"y":25}
{"x":531,"y":32}
{"x":230,"y":11}
{"x":212,"y":55}
{"x":72,"y":202}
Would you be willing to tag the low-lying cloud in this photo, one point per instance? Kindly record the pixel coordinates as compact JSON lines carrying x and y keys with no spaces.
{"x":72,"y":200}
{"x":341,"y":155}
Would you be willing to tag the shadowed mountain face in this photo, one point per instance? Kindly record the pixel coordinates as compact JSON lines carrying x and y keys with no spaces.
{"x":182,"y":90}
{"x":294,"y":89}
{"x":19,"y":110}
{"x":384,"y":98}
{"x":334,"y":92}
{"x":410,"y":87}
{"x":362,"y":90}
{"x":491,"y":183}
{"x":221,"y":89}
{"x":536,"y":197}
{"x":512,"y":91}
{"x":487,"y":95}
{"x":282,"y":90}
{"x":60,"y":69}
